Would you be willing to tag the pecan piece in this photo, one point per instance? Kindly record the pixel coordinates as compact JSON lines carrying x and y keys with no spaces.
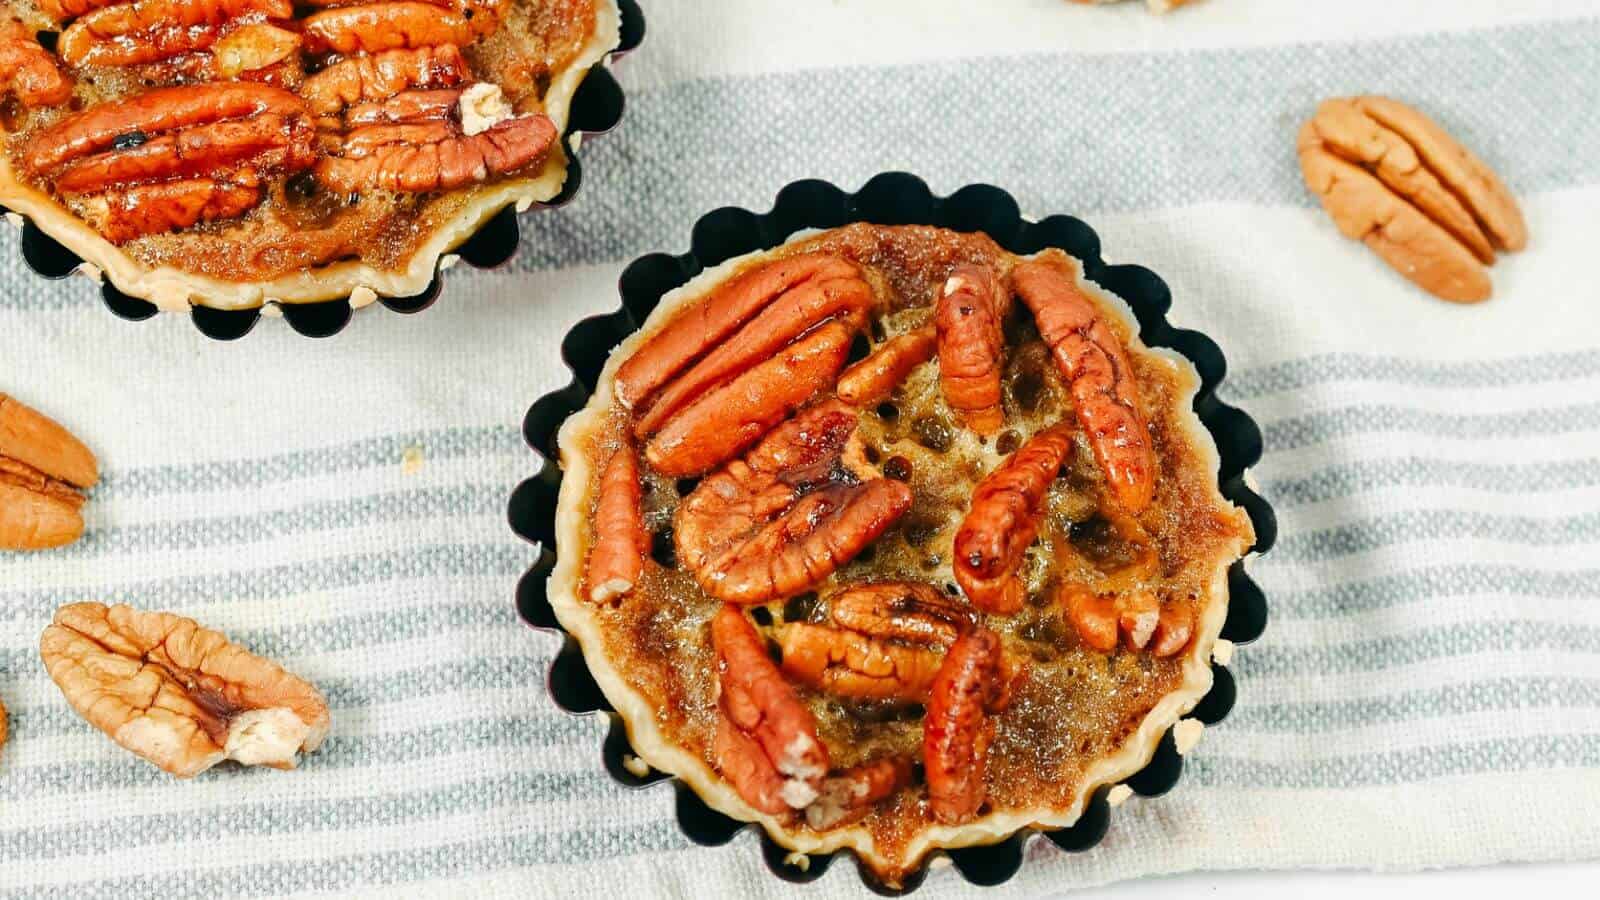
{"x":874,"y":378}
{"x":957,"y":729}
{"x":146,"y":31}
{"x":123,"y":214}
{"x":1174,"y":628}
{"x":620,"y":541}
{"x":435,"y":156}
{"x":847,"y":795}
{"x":1393,"y":179}
{"x":363,"y":143}
{"x":850,"y":664}
{"x":702,"y":325}
{"x":787,"y":515}
{"x":403,"y":24}
{"x":27,"y":70}
{"x":253,"y":48}
{"x":796,"y":311}
{"x":1098,"y":374}
{"x":43,"y":470}
{"x":1141,"y":619}
{"x":726,"y":420}
{"x":969,"y":313}
{"x":766,"y":742}
{"x":902,"y":610}
{"x":66,"y":10}
{"x":1004,"y":519}
{"x":366,"y":79}
{"x":887,"y":642}
{"x":1093,"y":616}
{"x":406,"y":106}
{"x":179,"y":695}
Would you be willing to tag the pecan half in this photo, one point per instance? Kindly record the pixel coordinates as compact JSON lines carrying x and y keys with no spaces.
{"x":786,"y":516}
{"x":27,"y":70}
{"x":887,"y":641}
{"x":620,"y":541}
{"x":726,"y":420}
{"x":1141,"y":619}
{"x":266,"y":142}
{"x":179,"y":695}
{"x":123,"y":214}
{"x":146,"y":31}
{"x":1098,"y":374}
{"x":794,"y":312}
{"x":43,"y":470}
{"x":702,"y":325}
{"x":173,"y":156}
{"x":875,"y":377}
{"x":133,"y":121}
{"x":1393,"y":179}
{"x":434,"y":156}
{"x":957,"y":729}
{"x":403,"y":24}
{"x":367,"y":79}
{"x":1003,"y":521}
{"x":766,"y":742}
{"x":902,"y":610}
{"x":969,"y":314}
{"x":851,"y":664}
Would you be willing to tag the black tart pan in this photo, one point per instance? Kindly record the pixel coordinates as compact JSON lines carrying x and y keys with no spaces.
{"x":894,"y":198}
{"x":596,"y":109}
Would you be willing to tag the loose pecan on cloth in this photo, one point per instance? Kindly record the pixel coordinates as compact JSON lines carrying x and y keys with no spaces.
{"x":1393,"y":179}
{"x":43,"y":472}
{"x":179,"y":695}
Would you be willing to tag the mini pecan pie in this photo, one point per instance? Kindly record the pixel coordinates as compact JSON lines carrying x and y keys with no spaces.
{"x":893,"y":540}
{"x":231,"y":152}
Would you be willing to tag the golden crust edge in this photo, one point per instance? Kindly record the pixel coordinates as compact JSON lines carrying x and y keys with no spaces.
{"x":174,"y":290}
{"x":638,"y":715}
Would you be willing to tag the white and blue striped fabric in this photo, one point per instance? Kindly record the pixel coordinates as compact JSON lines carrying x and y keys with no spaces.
{"x":1427,"y":693}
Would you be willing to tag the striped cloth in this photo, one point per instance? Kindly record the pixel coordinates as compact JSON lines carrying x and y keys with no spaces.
{"x":1428,"y":692}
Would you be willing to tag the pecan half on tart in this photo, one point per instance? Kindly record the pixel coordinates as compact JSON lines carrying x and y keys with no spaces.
{"x":892,"y":540}
{"x":227,"y":153}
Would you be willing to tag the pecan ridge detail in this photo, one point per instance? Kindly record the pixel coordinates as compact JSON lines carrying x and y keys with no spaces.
{"x":173,"y":157}
{"x":1391,"y":178}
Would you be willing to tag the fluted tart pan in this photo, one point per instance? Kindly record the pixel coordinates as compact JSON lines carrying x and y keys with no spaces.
{"x":890,"y":199}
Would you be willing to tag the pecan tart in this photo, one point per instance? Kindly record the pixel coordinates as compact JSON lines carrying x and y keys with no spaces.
{"x":889,"y":539}
{"x":233,"y":152}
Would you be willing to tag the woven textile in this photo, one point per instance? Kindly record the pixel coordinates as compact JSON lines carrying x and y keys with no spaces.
{"x":1427,"y":692}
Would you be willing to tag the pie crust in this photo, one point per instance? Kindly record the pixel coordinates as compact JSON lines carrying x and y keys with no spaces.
{"x":579,"y":440}
{"x":174,"y":289}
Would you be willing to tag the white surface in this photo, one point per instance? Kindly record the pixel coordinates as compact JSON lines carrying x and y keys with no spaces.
{"x":1558,"y":880}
